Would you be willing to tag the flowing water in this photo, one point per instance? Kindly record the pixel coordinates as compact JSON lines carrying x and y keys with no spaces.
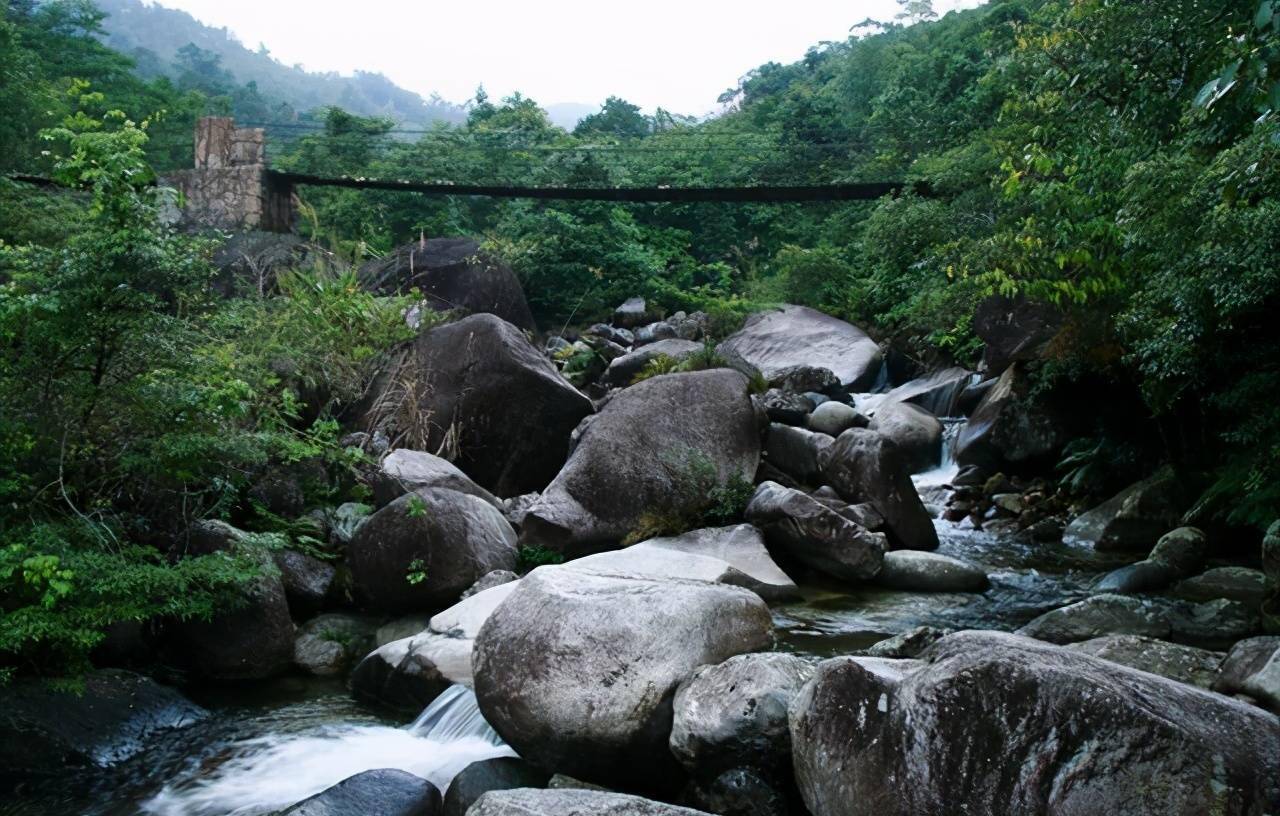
{"x":1027,"y":579}
{"x":269,"y":746}
{"x":258,"y":758}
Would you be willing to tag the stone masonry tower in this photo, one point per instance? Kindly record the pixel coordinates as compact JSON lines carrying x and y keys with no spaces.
{"x":230,"y":187}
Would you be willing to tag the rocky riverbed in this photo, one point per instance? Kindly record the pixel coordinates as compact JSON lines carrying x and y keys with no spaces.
{"x":629,"y":571}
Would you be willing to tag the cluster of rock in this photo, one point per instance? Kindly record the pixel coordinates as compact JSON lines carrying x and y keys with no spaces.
{"x":648,"y":669}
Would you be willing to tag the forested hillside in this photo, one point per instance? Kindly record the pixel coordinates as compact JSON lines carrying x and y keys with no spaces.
{"x":171,"y":43}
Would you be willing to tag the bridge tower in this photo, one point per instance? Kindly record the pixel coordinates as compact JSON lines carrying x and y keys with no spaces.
{"x":231,"y":187}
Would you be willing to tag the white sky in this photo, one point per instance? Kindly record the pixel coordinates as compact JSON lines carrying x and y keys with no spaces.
{"x":679,"y":54}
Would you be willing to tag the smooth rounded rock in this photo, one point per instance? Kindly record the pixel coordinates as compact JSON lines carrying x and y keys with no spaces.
{"x":734,"y":714}
{"x":423,"y":549}
{"x":386,"y":792}
{"x":917,"y":571}
{"x":778,"y":339}
{"x":916,"y":432}
{"x":478,"y":778}
{"x":404,"y":471}
{"x":833,"y":418}
{"x":577,"y":671}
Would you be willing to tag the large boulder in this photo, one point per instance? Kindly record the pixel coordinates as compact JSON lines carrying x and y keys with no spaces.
{"x":577,"y":671}
{"x":404,"y":471}
{"x":572,"y":802}
{"x":452,"y":273}
{"x":1232,"y":583}
{"x":785,"y":407}
{"x":775,"y":340}
{"x":1186,"y":664}
{"x":622,"y":370}
{"x":386,"y":792}
{"x":1135,"y":518}
{"x":734,"y":715}
{"x":307,"y":581}
{"x":864,"y":466}
{"x":1011,"y":429}
{"x":48,"y":731}
{"x":917,"y":571}
{"x":633,"y":313}
{"x":993,"y":723}
{"x":423,"y":549}
{"x":815,"y":534}
{"x":480,"y":391}
{"x":834,"y":418}
{"x":407,"y":674}
{"x":652,"y":453}
{"x":916,"y":432}
{"x":797,"y":452}
{"x":499,"y":773}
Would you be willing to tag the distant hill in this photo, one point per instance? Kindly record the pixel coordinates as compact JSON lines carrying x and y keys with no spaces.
{"x":153,"y":36}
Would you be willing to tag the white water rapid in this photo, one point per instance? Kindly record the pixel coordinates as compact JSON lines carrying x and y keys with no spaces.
{"x":269,"y":773}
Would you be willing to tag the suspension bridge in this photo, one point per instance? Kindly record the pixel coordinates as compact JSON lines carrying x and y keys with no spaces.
{"x":232,"y":186}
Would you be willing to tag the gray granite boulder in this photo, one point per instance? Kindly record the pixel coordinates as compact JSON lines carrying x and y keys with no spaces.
{"x":815,"y":534}
{"x":572,"y":802}
{"x":778,"y":339}
{"x":864,"y":466}
{"x":652,"y":452}
{"x":386,"y":792}
{"x":577,"y":671}
{"x":1044,"y":730}
{"x":423,"y":549}
{"x":734,"y":714}
{"x":917,"y":571}
{"x":404,"y":471}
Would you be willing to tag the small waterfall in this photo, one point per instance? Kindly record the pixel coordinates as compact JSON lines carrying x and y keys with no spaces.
{"x":454,"y":716}
{"x":947,"y":467}
{"x":261,"y":775}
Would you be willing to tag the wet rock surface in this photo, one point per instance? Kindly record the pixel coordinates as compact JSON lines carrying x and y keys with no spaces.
{"x":46,"y":731}
{"x":387,"y":792}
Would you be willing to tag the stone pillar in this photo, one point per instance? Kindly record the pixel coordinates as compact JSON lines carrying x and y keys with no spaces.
{"x":231,"y":187}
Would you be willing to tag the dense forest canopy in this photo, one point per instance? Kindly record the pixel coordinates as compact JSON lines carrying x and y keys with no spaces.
{"x":1119,"y":160}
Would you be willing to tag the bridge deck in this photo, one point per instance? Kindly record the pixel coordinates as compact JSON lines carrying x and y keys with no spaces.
{"x":865,"y":191}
